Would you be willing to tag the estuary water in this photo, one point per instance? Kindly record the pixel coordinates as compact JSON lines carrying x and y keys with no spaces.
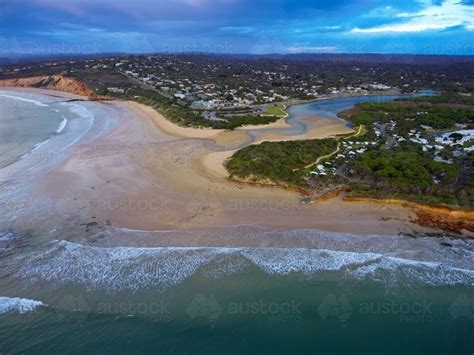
{"x":63,"y":289}
{"x":331,"y":107}
{"x":327,"y":108}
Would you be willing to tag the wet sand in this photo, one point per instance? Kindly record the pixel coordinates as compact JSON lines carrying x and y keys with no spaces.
{"x":150,"y":174}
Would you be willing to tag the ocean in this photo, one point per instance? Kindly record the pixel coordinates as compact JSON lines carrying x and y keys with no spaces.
{"x":63,"y":288}
{"x":25,"y":123}
{"x":225,"y":301}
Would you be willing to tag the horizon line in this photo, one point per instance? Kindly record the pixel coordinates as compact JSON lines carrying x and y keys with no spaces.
{"x":46,"y":55}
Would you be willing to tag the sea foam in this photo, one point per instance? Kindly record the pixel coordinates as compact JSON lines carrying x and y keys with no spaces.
{"x":78,"y":110}
{"x":6,"y":236}
{"x":20,"y":305}
{"x":133,"y":269}
{"x":62,"y":125}
{"x":24,"y":99}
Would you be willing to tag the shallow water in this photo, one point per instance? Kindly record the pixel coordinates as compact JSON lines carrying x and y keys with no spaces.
{"x":25,"y":124}
{"x":66,"y":288}
{"x":327,"y":108}
{"x":331,"y":107}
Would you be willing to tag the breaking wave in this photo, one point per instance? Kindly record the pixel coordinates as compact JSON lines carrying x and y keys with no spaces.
{"x":24,"y":99}
{"x":62,"y":125}
{"x":133,"y":269}
{"x":20,"y":305}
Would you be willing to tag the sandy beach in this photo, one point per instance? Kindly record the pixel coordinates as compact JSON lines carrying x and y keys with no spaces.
{"x":145,"y":173}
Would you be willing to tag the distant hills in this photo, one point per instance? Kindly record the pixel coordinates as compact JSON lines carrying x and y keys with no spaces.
{"x":308,"y":57}
{"x":376,"y":58}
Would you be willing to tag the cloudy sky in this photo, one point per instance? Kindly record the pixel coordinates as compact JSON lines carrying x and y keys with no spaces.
{"x":237,"y":26}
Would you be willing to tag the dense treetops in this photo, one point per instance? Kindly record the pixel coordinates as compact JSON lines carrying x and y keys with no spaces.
{"x":400,"y":161}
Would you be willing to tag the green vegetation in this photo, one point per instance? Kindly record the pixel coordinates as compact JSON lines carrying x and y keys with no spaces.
{"x":187,"y":117}
{"x":393,"y":154}
{"x":279,"y":161}
{"x":380,"y":106}
{"x":465,"y":193}
{"x":234,"y":122}
{"x":277,"y":110}
{"x":363,"y":118}
{"x":360,"y":131}
{"x":445,"y":98}
{"x":404,"y":171}
{"x":469,"y":144}
{"x":177,"y":114}
{"x":408,"y":117}
{"x":44,"y":83}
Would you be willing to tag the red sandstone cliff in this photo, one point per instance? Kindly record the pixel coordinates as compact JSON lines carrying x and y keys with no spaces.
{"x":54,"y":82}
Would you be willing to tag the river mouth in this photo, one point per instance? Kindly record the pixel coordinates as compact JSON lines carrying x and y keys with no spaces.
{"x":331,"y":107}
{"x":303,"y":117}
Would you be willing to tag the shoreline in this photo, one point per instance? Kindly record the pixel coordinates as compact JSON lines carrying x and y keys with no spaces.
{"x":459,"y":221}
{"x":181,"y":168}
